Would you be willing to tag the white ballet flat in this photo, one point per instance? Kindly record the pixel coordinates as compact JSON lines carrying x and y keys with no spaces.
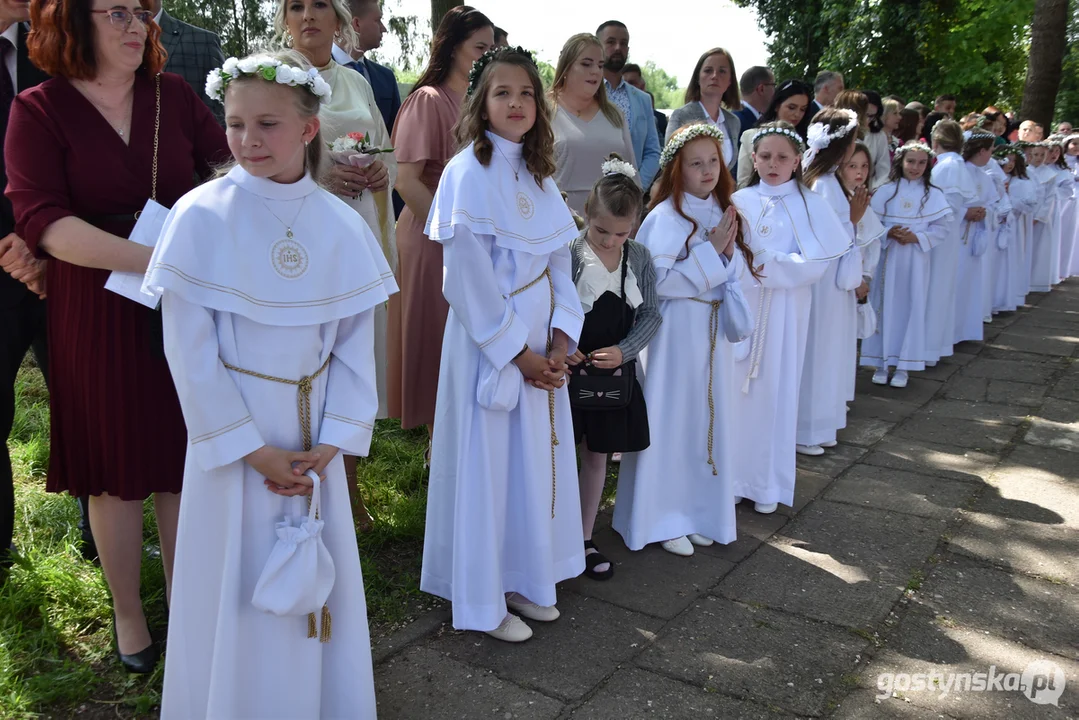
{"x":880,"y":377}
{"x":765,"y":508}
{"x":525,"y":608}
{"x":513,"y":629}
{"x":899,"y":380}
{"x":678,"y":546}
{"x":829,"y":444}
{"x":699,"y":540}
{"x":809,"y":449}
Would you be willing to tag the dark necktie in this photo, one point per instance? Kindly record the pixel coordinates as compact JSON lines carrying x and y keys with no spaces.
{"x":7,"y":88}
{"x":361,"y":66}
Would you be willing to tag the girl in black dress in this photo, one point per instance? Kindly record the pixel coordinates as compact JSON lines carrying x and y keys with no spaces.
{"x":617,"y":284}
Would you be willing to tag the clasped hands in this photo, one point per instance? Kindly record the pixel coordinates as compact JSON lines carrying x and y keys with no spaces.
{"x":350,"y":181}
{"x":18,"y":262}
{"x":545,"y":373}
{"x":285,"y":470}
{"x":902,"y":235}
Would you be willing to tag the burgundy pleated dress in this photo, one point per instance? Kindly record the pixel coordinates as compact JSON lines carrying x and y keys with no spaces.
{"x":116,"y":422}
{"x":416,"y":316}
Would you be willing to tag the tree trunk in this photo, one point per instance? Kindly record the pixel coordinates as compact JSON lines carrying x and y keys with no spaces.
{"x":441,"y":7}
{"x":1048,"y":35}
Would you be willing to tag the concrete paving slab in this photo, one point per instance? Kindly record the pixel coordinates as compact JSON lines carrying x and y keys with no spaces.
{"x":564,"y":659}
{"x":753,"y":529}
{"x":807,"y":486}
{"x":901,"y":491}
{"x":863,"y":704}
{"x":650,"y":581}
{"x":633,"y":693}
{"x":833,"y":462}
{"x":931,"y":458}
{"x":1058,"y":343}
{"x":918,"y":391}
{"x":1056,"y":425}
{"x":978,"y":411}
{"x":877,"y":408}
{"x":975,"y":434}
{"x":958,"y":357}
{"x":837,"y":563}
{"x":1048,"y":551}
{"x":1029,"y":611}
{"x":422,"y":683}
{"x":940,"y":371}
{"x":963,"y":387}
{"x":772,"y":657}
{"x":1028,"y":462}
{"x":866,"y":432}
{"x":1005,"y":392}
{"x":1067,"y":386}
{"x":923,"y":645}
{"x":1036,"y":373}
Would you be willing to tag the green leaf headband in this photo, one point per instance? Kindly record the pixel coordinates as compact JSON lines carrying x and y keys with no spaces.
{"x":683,"y":136}
{"x":490,"y":56}
{"x":786,"y":132}
{"x":269,"y":69}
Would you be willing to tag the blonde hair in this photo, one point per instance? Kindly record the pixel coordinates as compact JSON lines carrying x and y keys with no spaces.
{"x":891,"y":107}
{"x":346,"y":37}
{"x":571,"y":52}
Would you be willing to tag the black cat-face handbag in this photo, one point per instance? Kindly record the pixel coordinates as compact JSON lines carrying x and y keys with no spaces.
{"x":592,"y":388}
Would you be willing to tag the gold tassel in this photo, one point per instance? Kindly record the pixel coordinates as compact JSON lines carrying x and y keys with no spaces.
{"x":327,"y":625}
{"x":312,"y":628}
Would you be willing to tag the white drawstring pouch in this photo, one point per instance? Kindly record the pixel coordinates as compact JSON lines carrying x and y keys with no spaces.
{"x":867,"y":320}
{"x":299,"y":573}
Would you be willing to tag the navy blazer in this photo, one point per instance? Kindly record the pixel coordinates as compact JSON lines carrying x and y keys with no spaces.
{"x":747,"y":117}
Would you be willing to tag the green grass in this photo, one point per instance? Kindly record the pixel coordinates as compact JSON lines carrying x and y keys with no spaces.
{"x":55,"y":611}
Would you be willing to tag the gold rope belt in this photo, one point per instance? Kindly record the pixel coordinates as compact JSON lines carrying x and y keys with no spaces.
{"x":713,"y":334}
{"x":550,"y":393}
{"x":303,"y":386}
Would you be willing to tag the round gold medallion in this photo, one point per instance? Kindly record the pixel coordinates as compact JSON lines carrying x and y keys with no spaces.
{"x":289,"y":258}
{"x":764,"y":231}
{"x":907,"y":204}
{"x":525,"y":206}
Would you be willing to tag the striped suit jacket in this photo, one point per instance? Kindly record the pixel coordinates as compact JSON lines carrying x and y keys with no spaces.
{"x":193,"y":53}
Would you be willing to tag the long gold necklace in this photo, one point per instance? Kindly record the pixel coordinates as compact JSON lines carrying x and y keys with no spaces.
{"x":516,"y":173}
{"x":287,"y":226}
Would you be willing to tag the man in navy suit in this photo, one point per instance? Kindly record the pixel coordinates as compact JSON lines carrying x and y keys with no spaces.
{"x":758,"y":87}
{"x":22,"y":309}
{"x":367,"y":22}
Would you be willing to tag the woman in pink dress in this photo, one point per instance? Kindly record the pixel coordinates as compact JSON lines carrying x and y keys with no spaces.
{"x":423,"y":144}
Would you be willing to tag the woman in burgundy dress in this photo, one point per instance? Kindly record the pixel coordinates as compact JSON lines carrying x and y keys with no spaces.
{"x":83,"y":151}
{"x":423,"y":144}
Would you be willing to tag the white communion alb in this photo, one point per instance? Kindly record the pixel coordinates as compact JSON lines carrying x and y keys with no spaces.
{"x":950,"y":174}
{"x":503,"y":508}
{"x":280,"y":280}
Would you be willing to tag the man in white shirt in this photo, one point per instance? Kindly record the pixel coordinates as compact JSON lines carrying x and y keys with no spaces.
{"x":825,"y":89}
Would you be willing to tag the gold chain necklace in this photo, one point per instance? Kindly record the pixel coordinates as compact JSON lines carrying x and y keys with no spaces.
{"x":287,"y":226}
{"x":517,"y":172}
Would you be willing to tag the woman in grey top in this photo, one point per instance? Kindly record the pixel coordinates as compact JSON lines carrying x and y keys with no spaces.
{"x":710,"y":88}
{"x":587,"y":126}
{"x":616,"y":282}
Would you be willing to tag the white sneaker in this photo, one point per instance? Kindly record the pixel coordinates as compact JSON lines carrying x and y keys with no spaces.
{"x":829,"y":444}
{"x":513,"y":629}
{"x":526,"y":608}
{"x":809,"y":449}
{"x":899,"y":380}
{"x":765,"y":508}
{"x":700,"y":540}
{"x":678,"y":546}
{"x":880,"y":377}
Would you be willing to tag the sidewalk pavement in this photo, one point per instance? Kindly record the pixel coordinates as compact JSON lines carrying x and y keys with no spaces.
{"x":940,"y":536}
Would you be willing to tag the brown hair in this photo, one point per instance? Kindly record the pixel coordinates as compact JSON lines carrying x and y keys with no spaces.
{"x":616,"y":193}
{"x":1019,"y":169}
{"x":570,"y":52}
{"x":948,"y":135}
{"x":472,"y":125}
{"x":456,"y":27}
{"x":755,"y":177}
{"x":976,"y":144}
{"x":895,"y":173}
{"x":827,"y":159}
{"x":669,"y":185}
{"x":908,"y":125}
{"x":858,"y":102}
{"x":732,"y":98}
{"x":61,"y":40}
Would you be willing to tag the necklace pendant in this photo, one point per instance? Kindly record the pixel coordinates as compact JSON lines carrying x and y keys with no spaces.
{"x":288,"y":233}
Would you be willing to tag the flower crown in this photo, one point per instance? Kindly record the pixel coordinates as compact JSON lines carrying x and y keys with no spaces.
{"x":683,"y":136}
{"x":269,"y":69}
{"x":914,"y":146}
{"x":490,"y":56}
{"x":787,"y":132}
{"x":1005,"y":151}
{"x":614,"y":166}
{"x":820,"y":137}
{"x":978,"y":134}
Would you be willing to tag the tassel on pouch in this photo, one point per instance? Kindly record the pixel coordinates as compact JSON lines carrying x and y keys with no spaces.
{"x":327,"y":625}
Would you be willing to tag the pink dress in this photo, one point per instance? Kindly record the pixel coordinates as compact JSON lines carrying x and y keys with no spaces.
{"x":423,"y":133}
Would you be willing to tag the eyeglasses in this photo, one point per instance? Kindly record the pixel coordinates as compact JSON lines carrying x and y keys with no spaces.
{"x":122,"y":17}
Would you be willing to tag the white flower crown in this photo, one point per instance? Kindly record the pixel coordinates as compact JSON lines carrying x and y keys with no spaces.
{"x":614,"y":166}
{"x":914,"y":146}
{"x":819,"y":137}
{"x":683,"y":136}
{"x":270,"y":70}
{"x":798,"y":141}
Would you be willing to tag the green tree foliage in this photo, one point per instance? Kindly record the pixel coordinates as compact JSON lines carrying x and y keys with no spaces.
{"x":918,"y":49}
{"x":242,"y":25}
{"x":1067,"y":107}
{"x":664,"y":87}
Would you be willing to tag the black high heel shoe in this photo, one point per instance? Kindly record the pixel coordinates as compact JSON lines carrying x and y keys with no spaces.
{"x":140,"y":663}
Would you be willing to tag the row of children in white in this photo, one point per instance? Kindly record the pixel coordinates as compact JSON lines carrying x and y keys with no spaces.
{"x":994,"y":227}
{"x":269,"y":289}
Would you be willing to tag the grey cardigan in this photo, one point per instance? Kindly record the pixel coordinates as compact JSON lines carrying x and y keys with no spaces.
{"x":647,"y":320}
